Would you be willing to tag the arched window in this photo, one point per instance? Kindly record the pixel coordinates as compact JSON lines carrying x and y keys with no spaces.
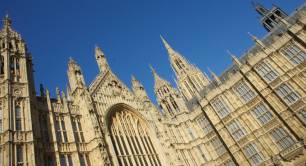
{"x":18,"y":118}
{"x":131,"y":139}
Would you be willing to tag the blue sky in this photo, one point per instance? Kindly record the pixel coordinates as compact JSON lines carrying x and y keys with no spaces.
{"x":128,"y":33}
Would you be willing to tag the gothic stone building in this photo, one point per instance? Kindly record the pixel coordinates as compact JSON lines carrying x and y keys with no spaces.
{"x":253,"y":114}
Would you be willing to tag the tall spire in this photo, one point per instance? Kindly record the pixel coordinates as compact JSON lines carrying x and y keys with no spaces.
{"x":101,"y":60}
{"x":178,"y":62}
{"x":167,"y":46}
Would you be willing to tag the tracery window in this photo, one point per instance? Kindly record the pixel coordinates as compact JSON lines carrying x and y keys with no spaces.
{"x":204,"y":124}
{"x":236,"y":129}
{"x":282,"y":138}
{"x":244,"y":91}
{"x":61,"y":133}
{"x":266,"y":71}
{"x":221,"y":107}
{"x":77,"y":129}
{"x":252,"y":153}
{"x":262,"y":114}
{"x":131,"y":139}
{"x":293,"y":53}
{"x":287,"y":93}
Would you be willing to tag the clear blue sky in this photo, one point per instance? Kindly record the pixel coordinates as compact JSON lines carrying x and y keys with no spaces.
{"x":128,"y":33}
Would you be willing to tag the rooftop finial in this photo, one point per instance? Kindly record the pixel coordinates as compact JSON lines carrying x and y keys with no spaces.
{"x":234,"y":58}
{"x":256,"y":40}
{"x":260,"y":8}
{"x":7,"y":21}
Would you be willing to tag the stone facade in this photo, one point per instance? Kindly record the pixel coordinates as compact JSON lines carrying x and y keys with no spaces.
{"x":253,"y":114}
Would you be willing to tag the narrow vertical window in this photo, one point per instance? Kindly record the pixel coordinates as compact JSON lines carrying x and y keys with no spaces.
{"x":81,"y":132}
{"x":221,"y":107}
{"x":266,"y":71}
{"x":82,"y":160}
{"x":75,"y":131}
{"x":87,"y":159}
{"x":244,"y":91}
{"x":17,"y":67}
{"x":2,"y":65}
{"x":201,"y":152}
{"x":218,"y":146}
{"x":18,"y":118}
{"x":64,"y":130}
{"x":229,"y":162}
{"x":190,"y":132}
{"x":58,"y":130}
{"x":175,"y":106}
{"x":19,"y":155}
{"x":1,"y":117}
{"x":63,"y":160}
{"x":70,"y":160}
{"x":293,"y":53}
{"x":302,"y":115}
{"x":287,"y":93}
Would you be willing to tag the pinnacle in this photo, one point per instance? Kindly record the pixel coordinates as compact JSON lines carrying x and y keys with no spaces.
{"x":98,"y":51}
{"x":7,"y":21}
{"x":166,"y":44}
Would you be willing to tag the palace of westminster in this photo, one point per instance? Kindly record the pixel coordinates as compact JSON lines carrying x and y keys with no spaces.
{"x":253,"y":114}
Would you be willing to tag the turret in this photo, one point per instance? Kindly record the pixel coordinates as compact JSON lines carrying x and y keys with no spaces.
{"x":168,"y":98}
{"x":13,"y":53}
{"x":269,"y":18}
{"x":75,"y":76}
{"x":16,"y":75}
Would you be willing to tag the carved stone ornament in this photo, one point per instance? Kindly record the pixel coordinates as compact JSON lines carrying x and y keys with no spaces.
{"x":17,"y":92}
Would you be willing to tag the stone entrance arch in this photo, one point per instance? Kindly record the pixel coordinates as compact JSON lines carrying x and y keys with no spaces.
{"x":130,"y":137}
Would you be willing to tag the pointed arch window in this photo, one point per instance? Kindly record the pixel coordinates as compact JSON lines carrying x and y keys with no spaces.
{"x":175,"y":106}
{"x":18,"y":118}
{"x":131,"y":140}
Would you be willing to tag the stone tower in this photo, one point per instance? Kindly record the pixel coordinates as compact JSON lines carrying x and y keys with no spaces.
{"x":269,"y":18}
{"x":18,"y":100}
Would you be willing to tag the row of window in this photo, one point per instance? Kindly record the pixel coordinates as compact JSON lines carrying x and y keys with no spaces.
{"x":285,"y":91}
{"x":61,"y":132}
{"x":66,"y":160}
